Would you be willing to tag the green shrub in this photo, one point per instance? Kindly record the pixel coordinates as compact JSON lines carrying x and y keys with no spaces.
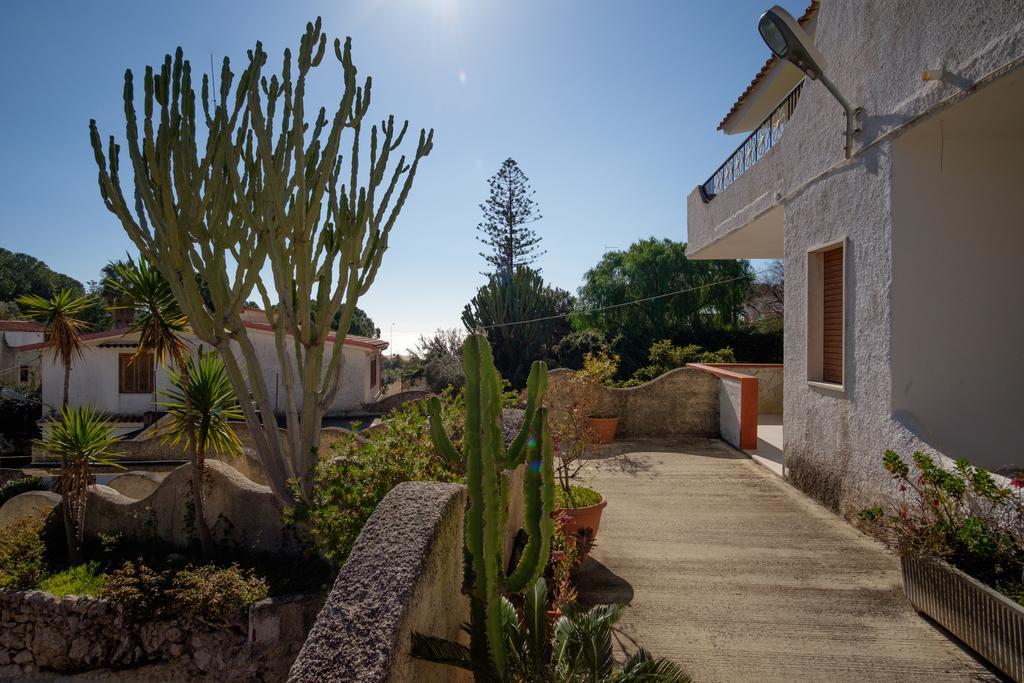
{"x":84,"y":579}
{"x":207,"y":592}
{"x":16,"y":487}
{"x":23,"y":554}
{"x":960,"y":514}
{"x":664,"y":356}
{"x":576,"y":497}
{"x":140,"y":590}
{"x":216,"y":594}
{"x":351,"y":482}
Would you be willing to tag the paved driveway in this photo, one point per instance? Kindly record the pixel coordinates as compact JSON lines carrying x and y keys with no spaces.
{"x":739,"y":577}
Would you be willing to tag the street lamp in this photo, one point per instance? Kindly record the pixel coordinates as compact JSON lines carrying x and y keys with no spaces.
{"x":788,"y":40}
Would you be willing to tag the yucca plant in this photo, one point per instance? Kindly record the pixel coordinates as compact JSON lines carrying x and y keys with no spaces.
{"x":82,"y":438}
{"x":201,"y":404}
{"x":62,"y":330}
{"x":577,"y":648}
{"x":157,"y":316}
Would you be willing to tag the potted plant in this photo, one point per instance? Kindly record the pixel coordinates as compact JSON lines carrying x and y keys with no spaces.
{"x":578,"y":508}
{"x":960,"y":537}
{"x":599,"y":369}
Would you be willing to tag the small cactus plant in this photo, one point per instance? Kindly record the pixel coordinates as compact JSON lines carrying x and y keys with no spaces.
{"x":484,"y":457}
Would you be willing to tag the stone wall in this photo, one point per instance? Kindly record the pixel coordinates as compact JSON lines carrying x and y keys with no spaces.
{"x":681,"y":402}
{"x":404,"y":575}
{"x":41,"y":632}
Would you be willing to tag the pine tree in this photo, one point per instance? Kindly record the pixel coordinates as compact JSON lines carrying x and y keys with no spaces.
{"x":507,"y":214}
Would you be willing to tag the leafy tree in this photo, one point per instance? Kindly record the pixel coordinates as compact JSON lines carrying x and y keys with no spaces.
{"x":571,"y":348}
{"x":711,"y":296}
{"x":82,"y":438}
{"x":156,"y":316}
{"x":201,"y":404}
{"x":502,"y":307}
{"x":508,"y":211}
{"x":63,"y":328}
{"x":440,"y":356}
{"x":765,"y":305}
{"x":22,"y":275}
{"x":362,"y":325}
{"x":9,"y":310}
{"x":232,"y":184}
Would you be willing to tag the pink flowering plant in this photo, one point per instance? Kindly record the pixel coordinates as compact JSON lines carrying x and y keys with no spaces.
{"x":962,"y":515}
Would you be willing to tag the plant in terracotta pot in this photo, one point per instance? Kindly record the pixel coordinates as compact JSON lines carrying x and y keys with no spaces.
{"x":577,"y":507}
{"x":599,"y":369}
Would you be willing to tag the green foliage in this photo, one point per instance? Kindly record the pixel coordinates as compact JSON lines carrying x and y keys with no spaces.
{"x":652,"y":267}
{"x":521,"y":297}
{"x":507,"y":213}
{"x":216,"y":594}
{"x":664,"y":356}
{"x":21,"y":274}
{"x":83,"y":579}
{"x":16,"y":487}
{"x":156,"y":315}
{"x":577,"y":647}
{"x":202,"y":404}
{"x":484,"y":457}
{"x":440,"y":357}
{"x":351,"y":483}
{"x":209,"y":593}
{"x":574,"y":346}
{"x":19,"y":417}
{"x":576,"y":497}
{"x":599,"y":368}
{"x":960,"y":514}
{"x":60,"y":316}
{"x":22,"y":554}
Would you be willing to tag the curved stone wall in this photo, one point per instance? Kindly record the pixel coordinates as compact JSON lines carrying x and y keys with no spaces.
{"x":27,"y":505}
{"x":135,"y":485}
{"x":681,"y":402}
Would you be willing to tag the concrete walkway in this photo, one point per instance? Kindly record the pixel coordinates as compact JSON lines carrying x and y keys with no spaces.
{"x":739,"y":577}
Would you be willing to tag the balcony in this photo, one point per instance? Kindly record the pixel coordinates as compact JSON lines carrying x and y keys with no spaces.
{"x":753,"y":148}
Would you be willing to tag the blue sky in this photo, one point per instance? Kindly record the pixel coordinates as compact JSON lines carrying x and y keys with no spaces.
{"x":609,"y":107}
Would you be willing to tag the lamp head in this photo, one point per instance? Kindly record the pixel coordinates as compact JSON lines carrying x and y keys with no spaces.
{"x":788,"y":40}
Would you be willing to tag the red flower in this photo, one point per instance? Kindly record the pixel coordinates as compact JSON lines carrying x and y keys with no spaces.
{"x":1017,"y":483}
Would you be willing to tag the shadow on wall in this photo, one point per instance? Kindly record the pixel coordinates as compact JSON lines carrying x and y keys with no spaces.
{"x":242,"y":514}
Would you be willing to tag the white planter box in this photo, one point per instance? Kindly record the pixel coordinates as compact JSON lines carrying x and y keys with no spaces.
{"x":989,"y":623}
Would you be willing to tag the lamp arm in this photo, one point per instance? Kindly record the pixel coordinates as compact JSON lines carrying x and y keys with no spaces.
{"x":850,"y":112}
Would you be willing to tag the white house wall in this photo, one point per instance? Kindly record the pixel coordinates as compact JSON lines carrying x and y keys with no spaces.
{"x":877,"y":52}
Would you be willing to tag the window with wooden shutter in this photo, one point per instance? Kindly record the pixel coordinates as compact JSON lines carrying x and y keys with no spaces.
{"x":373,"y":370}
{"x":135,"y":375}
{"x":832,"y":316}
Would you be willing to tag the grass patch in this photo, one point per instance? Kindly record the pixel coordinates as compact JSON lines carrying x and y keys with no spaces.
{"x":85,"y":579}
{"x":577,"y":497}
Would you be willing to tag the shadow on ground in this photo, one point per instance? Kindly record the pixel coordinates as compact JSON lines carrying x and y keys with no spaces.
{"x":599,"y":585}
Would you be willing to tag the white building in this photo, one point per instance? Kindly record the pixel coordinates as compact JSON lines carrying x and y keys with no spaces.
{"x":903,"y":318}
{"x":17,"y":369}
{"x":105,"y":376}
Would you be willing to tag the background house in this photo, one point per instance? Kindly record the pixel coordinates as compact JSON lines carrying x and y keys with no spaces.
{"x":17,"y":369}
{"x":106,"y":377}
{"x":902,"y":318}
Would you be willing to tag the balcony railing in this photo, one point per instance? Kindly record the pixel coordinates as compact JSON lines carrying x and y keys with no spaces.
{"x":753,"y":148}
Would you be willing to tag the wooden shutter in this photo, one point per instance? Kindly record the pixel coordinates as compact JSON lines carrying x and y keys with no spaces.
{"x":832,"y":325}
{"x":373,"y":370}
{"x":135,"y":376}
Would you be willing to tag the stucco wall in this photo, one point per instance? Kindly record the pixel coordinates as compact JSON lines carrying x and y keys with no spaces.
{"x":958,"y":235}
{"x":729,"y":409}
{"x":877,"y":51}
{"x":404,"y":575}
{"x":681,"y":402}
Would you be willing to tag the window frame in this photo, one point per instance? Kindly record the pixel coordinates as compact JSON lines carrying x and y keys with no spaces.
{"x":145,"y":362}
{"x":815,"y":322}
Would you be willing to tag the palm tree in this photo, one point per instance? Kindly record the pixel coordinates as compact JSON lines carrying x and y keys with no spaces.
{"x":201,"y":404}
{"x":579,"y":648}
{"x":63,"y":331}
{"x":157,"y":316}
{"x":81,"y":438}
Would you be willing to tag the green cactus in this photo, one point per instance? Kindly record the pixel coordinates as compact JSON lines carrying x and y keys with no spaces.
{"x":484,"y":458}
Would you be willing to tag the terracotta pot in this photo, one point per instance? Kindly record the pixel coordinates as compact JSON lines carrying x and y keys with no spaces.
{"x":604,"y":428}
{"x":582,"y":518}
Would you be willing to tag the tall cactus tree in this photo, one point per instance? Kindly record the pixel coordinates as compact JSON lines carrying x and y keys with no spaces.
{"x":263,"y":186}
{"x":484,"y":458}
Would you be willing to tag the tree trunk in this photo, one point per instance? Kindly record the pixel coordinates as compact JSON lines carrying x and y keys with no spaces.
{"x":67,"y":384}
{"x":202,"y":528}
{"x":74,"y":547}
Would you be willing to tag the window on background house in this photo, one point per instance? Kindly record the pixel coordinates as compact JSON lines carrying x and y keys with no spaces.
{"x":25,"y":373}
{"x":826,"y":306}
{"x":135,"y":375}
{"x":373,"y":370}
